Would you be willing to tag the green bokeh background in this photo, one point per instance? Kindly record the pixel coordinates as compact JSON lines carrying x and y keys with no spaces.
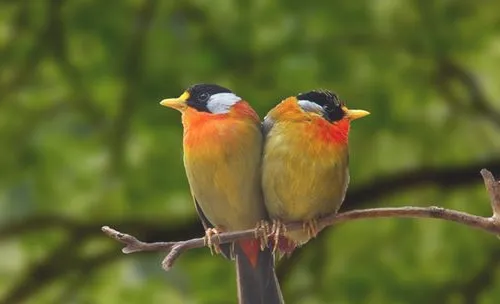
{"x":84,"y":143}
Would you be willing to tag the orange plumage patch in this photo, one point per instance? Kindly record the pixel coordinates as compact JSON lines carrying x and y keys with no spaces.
{"x":319,"y":128}
{"x":251,"y":248}
{"x":336,"y":132}
{"x":200,"y":127}
{"x":288,"y":109}
{"x":243,"y":110}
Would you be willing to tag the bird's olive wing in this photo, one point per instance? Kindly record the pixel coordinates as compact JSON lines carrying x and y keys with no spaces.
{"x":267,"y":125}
{"x":225,"y":248}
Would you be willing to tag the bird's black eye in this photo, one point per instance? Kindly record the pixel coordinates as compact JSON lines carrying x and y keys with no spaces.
{"x":199,"y":95}
{"x":329,"y":101}
{"x":328,"y":108}
{"x":203,"y":97}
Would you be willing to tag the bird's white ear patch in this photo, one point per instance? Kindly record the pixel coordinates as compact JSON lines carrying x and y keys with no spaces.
{"x":221,"y":102}
{"x":310,"y":106}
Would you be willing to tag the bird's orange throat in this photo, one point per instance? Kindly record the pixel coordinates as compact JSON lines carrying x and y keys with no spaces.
{"x":337,"y":132}
{"x":204,"y":128}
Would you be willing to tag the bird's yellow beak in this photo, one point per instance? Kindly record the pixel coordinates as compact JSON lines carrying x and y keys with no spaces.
{"x":176,"y":103}
{"x":355,"y":114}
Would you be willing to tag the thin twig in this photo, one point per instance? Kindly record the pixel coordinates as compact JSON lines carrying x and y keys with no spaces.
{"x":175,"y":249}
{"x":493,"y":188}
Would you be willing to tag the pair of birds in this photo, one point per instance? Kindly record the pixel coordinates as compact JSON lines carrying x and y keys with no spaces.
{"x":292,"y":167}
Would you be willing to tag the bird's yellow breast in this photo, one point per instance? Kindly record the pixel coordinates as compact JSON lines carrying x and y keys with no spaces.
{"x":304,"y":176}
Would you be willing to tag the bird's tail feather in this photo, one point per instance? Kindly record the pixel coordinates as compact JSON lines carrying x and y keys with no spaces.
{"x":256,"y":279}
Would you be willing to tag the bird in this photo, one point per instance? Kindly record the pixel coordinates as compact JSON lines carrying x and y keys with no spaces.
{"x":222,"y":145}
{"x":305,"y":162}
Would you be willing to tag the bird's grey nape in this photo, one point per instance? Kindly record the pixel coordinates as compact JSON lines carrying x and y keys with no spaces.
{"x":310,"y":106}
{"x":221,"y":103}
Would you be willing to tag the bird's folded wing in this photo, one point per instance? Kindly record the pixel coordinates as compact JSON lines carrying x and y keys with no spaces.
{"x":225,"y":248}
{"x":267,"y":125}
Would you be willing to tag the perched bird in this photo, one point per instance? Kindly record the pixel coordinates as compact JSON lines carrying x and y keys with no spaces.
{"x":222,"y":156}
{"x":305,"y":161}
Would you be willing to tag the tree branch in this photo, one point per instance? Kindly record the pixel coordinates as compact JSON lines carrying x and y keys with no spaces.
{"x":493,"y":188}
{"x":175,"y":249}
{"x":377,"y":188}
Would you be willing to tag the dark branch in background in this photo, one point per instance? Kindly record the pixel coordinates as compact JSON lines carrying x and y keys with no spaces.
{"x":451,"y":177}
{"x":66,"y":258}
{"x":175,"y":249}
{"x":472,"y":288}
{"x":132,"y":75}
{"x":80,"y":97}
{"x":41,"y":272}
{"x":151,"y":230}
{"x":449,"y":73}
{"x":482,"y":280}
{"x":81,"y":273}
{"x":17,"y":29}
{"x":474,"y":99}
{"x":63,"y":261}
{"x":36,"y":53}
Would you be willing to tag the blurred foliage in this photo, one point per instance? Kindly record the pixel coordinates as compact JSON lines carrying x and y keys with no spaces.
{"x":84,"y":142}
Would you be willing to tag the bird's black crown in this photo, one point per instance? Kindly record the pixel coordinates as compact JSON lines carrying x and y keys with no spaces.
{"x":329,"y":101}
{"x":200,"y":93}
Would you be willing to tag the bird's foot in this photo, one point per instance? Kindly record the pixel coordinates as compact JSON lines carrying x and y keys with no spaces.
{"x":311,"y":227}
{"x":262,"y":231}
{"x":214,"y":247}
{"x":278,"y":229}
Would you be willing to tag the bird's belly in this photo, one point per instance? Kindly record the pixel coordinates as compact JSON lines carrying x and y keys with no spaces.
{"x":303,"y":180}
{"x":239,"y":206}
